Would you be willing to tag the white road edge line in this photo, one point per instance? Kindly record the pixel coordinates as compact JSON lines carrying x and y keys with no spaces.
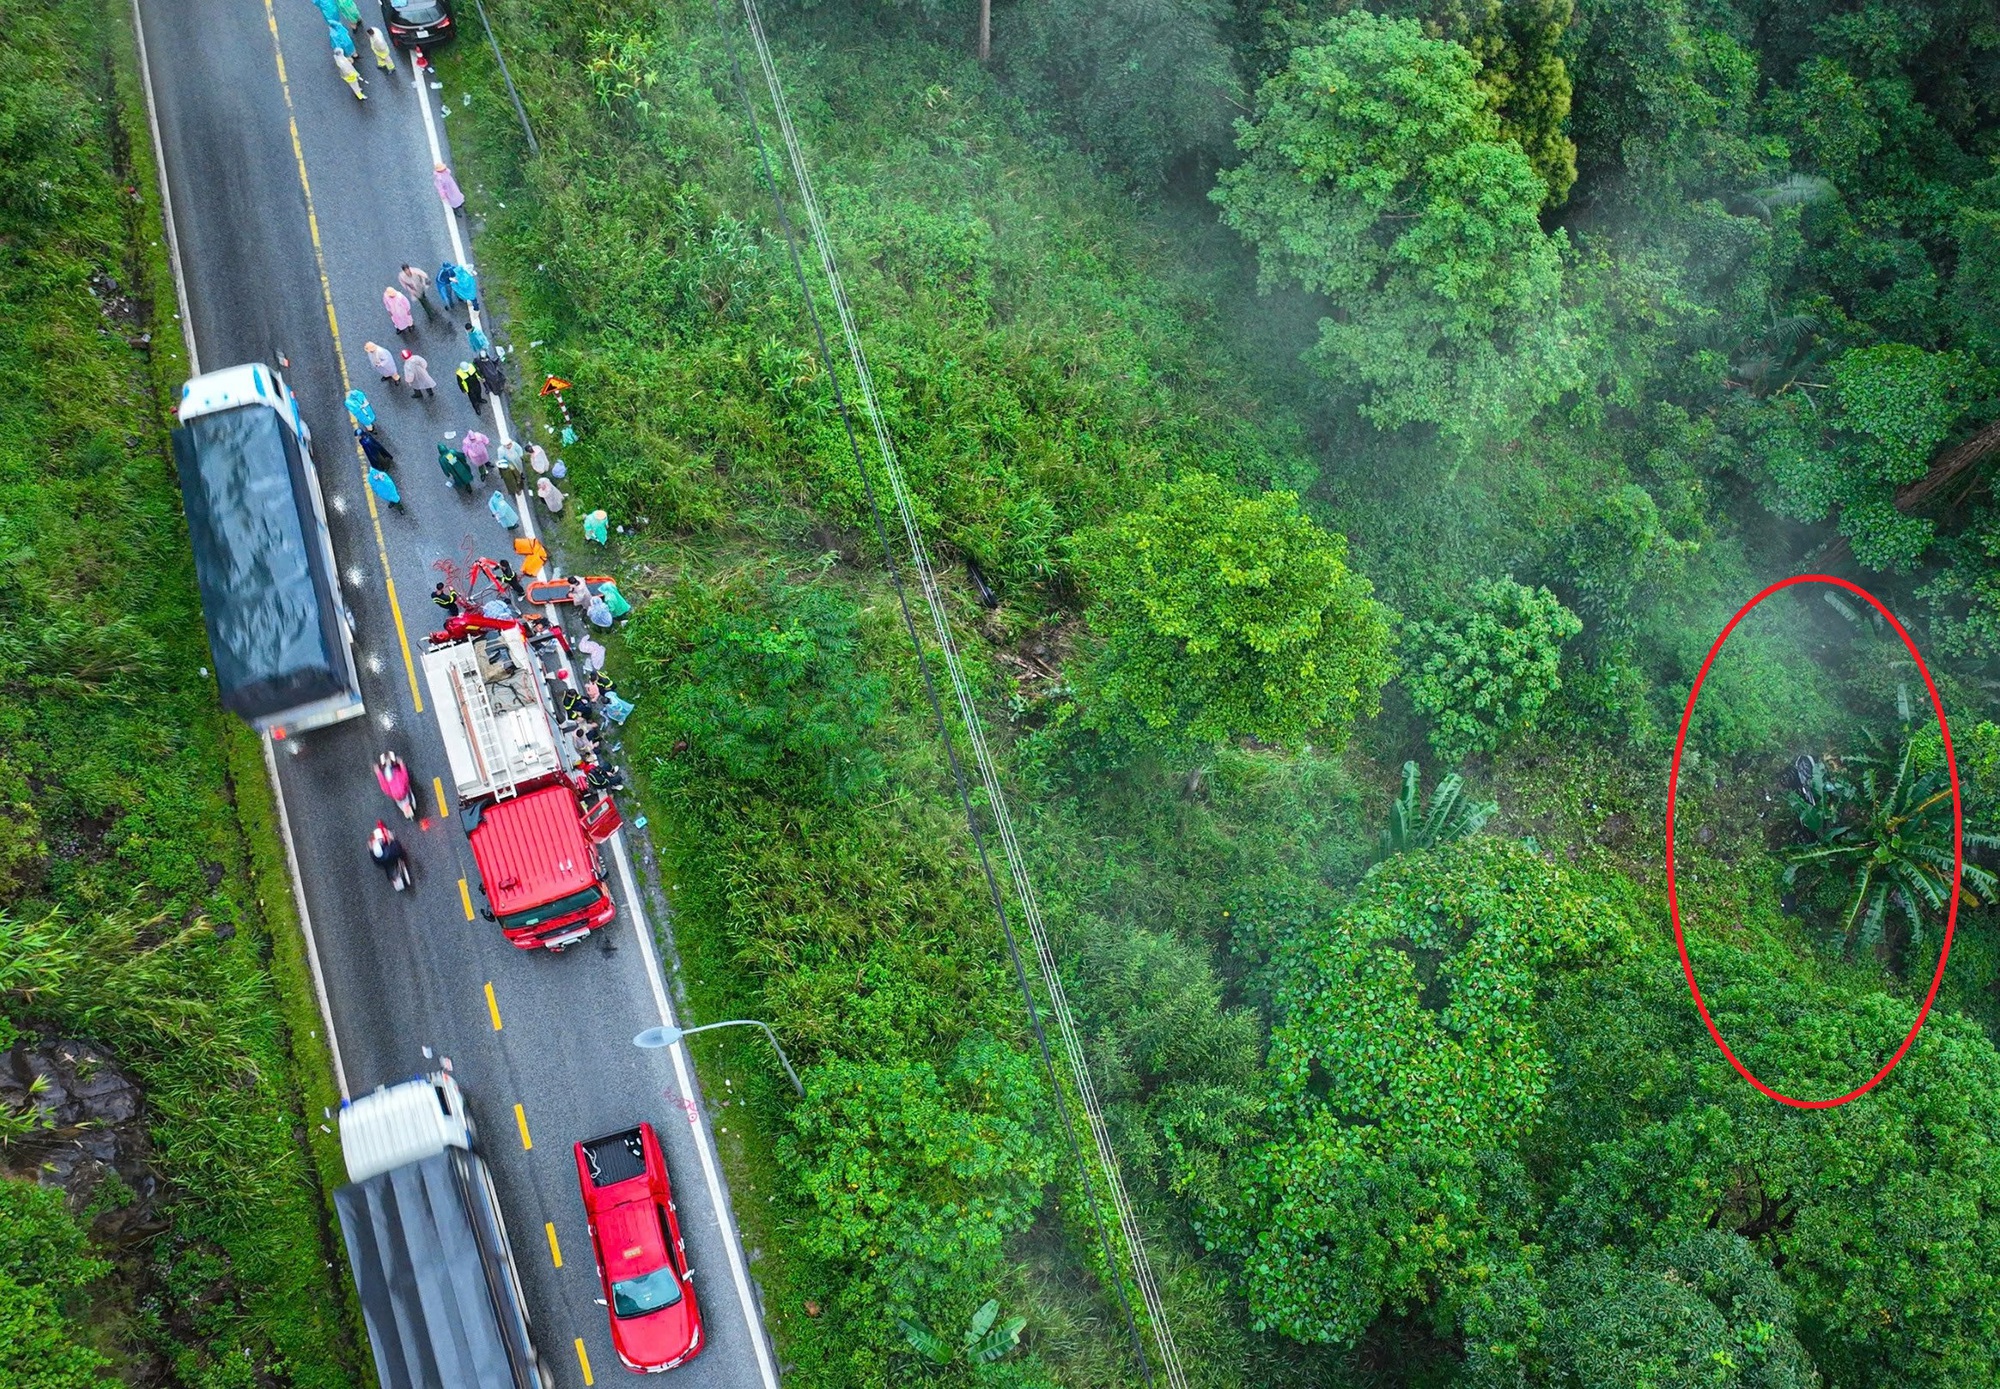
{"x":194,"y":367}
{"x":305,"y":916}
{"x":166,"y":194}
{"x":683,"y":1075}
{"x":710,"y":1171}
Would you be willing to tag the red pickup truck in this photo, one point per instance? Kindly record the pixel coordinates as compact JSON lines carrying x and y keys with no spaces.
{"x":636,"y":1236}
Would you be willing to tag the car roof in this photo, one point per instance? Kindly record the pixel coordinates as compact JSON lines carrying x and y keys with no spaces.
{"x":629,"y":1234}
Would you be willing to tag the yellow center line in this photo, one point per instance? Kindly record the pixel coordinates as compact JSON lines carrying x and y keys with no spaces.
{"x":521,"y":1118}
{"x":465,"y":896}
{"x":583,"y":1359}
{"x":492,"y":1006}
{"x":555,"y":1249}
{"x":437,"y":785}
{"x":340,"y":354}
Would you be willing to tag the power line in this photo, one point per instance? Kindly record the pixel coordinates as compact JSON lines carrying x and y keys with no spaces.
{"x":920,"y":564}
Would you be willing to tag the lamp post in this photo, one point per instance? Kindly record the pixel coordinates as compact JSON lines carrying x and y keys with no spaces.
{"x":667,"y":1036}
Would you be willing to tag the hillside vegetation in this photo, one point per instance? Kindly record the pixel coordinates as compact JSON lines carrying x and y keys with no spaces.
{"x":132,"y":904}
{"x":1318,"y":387}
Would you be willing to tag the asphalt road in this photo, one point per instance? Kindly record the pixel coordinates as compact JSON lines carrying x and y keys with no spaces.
{"x":407,"y":976}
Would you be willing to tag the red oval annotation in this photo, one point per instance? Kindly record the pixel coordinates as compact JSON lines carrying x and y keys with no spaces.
{"x":1957,"y":843}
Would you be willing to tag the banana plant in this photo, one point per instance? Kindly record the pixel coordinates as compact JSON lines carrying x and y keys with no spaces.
{"x":983,"y":1341}
{"x":1885,"y":821}
{"x":1450,"y":814}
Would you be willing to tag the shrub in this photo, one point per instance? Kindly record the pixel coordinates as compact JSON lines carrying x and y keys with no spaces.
{"x":1486,"y":675}
{"x":762,"y":684}
{"x":919,"y":1177}
{"x":1144,"y":84}
{"x":44,"y":1267}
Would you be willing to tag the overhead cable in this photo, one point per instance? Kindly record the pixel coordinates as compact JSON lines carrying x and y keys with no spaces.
{"x":920,"y":564}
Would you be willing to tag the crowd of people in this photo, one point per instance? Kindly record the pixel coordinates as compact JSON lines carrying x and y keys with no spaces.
{"x":581,"y":710}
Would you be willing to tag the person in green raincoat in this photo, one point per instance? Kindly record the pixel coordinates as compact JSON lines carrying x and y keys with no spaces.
{"x":456,"y":470}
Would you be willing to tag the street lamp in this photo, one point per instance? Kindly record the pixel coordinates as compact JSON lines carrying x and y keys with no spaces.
{"x":667,"y":1036}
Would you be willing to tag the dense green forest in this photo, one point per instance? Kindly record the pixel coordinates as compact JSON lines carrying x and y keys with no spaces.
{"x":1320,"y":387}
{"x":151,"y":984}
{"x":1365,"y":417}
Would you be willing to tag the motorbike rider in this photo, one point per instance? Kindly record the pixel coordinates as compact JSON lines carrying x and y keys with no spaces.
{"x":389,"y":856}
{"x":394,"y":779}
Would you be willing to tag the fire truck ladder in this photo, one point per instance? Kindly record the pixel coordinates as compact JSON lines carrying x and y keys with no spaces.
{"x":477,"y":711}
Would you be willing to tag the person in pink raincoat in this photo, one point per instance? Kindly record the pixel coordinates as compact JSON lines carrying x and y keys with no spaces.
{"x":478,"y":450}
{"x":380,"y":358}
{"x":398,"y":305}
{"x":447,"y":187}
{"x":394,"y":779}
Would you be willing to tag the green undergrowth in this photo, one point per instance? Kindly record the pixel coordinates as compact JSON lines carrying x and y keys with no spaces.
{"x":1043,"y":360}
{"x":144,"y":904}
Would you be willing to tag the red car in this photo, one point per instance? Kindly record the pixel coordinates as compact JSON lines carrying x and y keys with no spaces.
{"x":636,"y":1236}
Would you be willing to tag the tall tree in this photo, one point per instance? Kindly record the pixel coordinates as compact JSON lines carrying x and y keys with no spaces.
{"x":1218,"y":616}
{"x":1376,"y":173}
{"x":1405,"y":1051}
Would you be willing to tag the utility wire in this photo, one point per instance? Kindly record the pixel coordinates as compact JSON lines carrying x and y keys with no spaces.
{"x":920,"y":564}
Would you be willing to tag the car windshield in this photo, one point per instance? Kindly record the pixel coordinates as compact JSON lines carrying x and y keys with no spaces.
{"x":637,"y":1296}
{"x":418,"y":11}
{"x":561,"y":907}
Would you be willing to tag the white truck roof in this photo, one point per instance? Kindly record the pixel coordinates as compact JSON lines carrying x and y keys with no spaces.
{"x":493,"y":712}
{"x":253,"y":383}
{"x":401,"y":1124}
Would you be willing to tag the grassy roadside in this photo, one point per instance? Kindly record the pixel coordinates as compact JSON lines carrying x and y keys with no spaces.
{"x":315,"y":1090}
{"x":143,"y":899}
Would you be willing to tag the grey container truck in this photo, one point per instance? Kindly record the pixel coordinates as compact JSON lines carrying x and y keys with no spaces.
{"x":439,"y":1291}
{"x":281,"y":637}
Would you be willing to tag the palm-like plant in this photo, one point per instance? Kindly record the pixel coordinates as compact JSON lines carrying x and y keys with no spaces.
{"x":983,"y":1342}
{"x":1885,"y":820}
{"x":1450,"y":814}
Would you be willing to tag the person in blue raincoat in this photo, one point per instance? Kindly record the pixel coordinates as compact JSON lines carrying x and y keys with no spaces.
{"x":503,"y":510}
{"x":360,"y":409}
{"x":384,"y":486}
{"x":457,"y":283}
{"x":342,"y":41}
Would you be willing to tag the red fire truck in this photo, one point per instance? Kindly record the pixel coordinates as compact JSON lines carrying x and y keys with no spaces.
{"x":520,"y":793}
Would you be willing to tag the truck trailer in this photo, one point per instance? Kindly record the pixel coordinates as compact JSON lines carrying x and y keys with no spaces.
{"x":439,"y":1290}
{"x":520,"y":794}
{"x":281,"y":637}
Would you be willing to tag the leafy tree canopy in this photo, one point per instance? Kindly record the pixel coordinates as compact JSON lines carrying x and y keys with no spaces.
{"x":1881,"y":1217}
{"x":1405,"y":1047}
{"x":1486,"y":673}
{"x":1221,"y":616}
{"x":1376,"y":174}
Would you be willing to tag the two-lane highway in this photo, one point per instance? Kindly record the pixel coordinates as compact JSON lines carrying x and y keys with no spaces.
{"x":293,"y":206}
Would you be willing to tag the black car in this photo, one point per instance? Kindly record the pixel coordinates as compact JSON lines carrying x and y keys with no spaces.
{"x":418,"y":23}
